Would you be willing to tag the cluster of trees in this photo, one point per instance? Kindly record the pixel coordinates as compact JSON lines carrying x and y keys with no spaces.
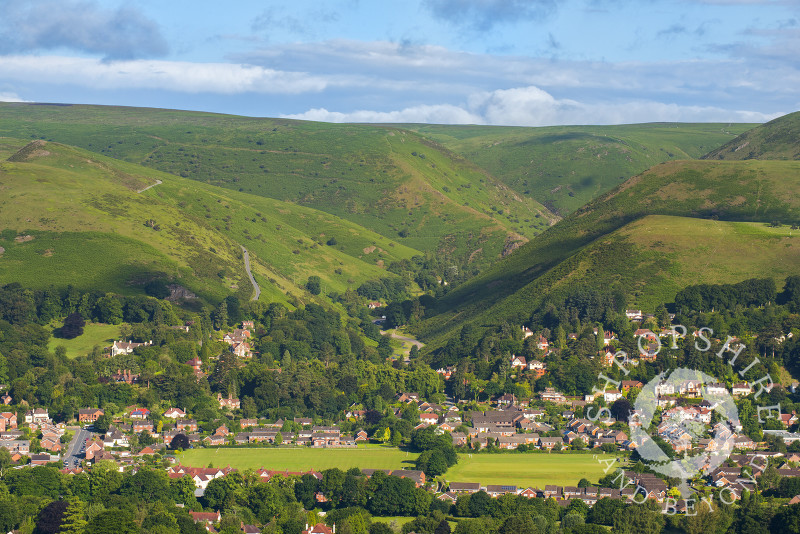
{"x":19,"y":305}
{"x":709,"y":297}
{"x":438,"y":453}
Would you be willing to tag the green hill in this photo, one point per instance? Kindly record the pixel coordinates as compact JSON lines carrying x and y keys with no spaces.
{"x":776,"y":140}
{"x":564,"y":167}
{"x":754,"y":191}
{"x":392,"y":181}
{"x":72,"y":216}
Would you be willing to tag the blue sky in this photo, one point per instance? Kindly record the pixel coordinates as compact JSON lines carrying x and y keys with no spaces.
{"x":512,"y":62}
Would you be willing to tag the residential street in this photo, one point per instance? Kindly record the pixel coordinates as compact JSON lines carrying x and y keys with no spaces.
{"x":74,"y":453}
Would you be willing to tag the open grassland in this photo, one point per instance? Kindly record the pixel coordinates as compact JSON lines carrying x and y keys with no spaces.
{"x":747,"y":191}
{"x":75,"y":217}
{"x":301,"y":458}
{"x":94,"y":334}
{"x":777,"y":139}
{"x":392,"y":181}
{"x":564,"y":167}
{"x":535,"y":469}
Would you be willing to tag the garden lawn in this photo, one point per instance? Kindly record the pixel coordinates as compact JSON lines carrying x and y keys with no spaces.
{"x":100,"y":334}
{"x":535,"y":469}
{"x":301,"y":458}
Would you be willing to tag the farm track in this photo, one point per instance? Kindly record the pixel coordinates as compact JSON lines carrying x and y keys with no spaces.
{"x":257,"y":292}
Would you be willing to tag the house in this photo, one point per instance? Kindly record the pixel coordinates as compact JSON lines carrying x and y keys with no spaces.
{"x":6,"y":399}
{"x":186,"y":425}
{"x":9,"y":418}
{"x":319,"y":528}
{"x":231,"y":403}
{"x":626,"y":385}
{"x":89,"y":415}
{"x":465,"y":487}
{"x":518,"y":361}
{"x":361,"y":435}
{"x":549,"y":443}
{"x":40,"y":459}
{"x":140,"y":426}
{"x":497,"y":490}
{"x":542,"y":344}
{"x":241,"y":350}
{"x":139,"y":413}
{"x":244,"y":423}
{"x":634,"y":315}
{"x":37,"y":416}
{"x":175,"y":413}
{"x":196,"y":364}
{"x":126,"y":347}
{"x":539,"y":368}
{"x":741,"y":389}
{"x":429,"y":418}
{"x":207,"y":518}
{"x":248,"y":325}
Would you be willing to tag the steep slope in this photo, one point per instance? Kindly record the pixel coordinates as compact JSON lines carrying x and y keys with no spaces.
{"x":778,"y":139}
{"x":764,"y":191}
{"x":71,"y":216}
{"x":392,"y":181}
{"x":564,"y":167}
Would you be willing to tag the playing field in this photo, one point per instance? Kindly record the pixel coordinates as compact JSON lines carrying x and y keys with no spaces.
{"x":525,"y":470}
{"x":518,"y":469}
{"x":302,"y":458}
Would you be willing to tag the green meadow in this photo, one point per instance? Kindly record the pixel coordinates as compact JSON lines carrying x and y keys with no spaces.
{"x":518,"y":469}
{"x":300,"y":458}
{"x":564,"y":167}
{"x":94,"y":334}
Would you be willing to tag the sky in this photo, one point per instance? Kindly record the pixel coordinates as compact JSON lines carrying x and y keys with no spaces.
{"x":501,"y":62}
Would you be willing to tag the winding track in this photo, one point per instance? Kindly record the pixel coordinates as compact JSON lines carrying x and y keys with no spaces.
{"x":250,"y":274}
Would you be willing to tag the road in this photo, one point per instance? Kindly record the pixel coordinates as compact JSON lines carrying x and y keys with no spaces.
{"x":75,"y":453}
{"x":149,"y":186}
{"x":419,"y":344}
{"x":250,"y":274}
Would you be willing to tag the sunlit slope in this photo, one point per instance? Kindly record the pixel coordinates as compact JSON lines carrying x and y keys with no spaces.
{"x":394,"y":182}
{"x":564,"y":167}
{"x":776,"y":140}
{"x":90,"y":226}
{"x":756,"y":191}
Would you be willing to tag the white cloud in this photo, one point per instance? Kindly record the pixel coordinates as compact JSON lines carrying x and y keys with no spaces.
{"x":10,"y":97}
{"x":435,"y":114}
{"x":224,"y":78}
{"x":532,"y":106}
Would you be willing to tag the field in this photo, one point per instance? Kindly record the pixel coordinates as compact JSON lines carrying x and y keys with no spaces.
{"x":97,"y":232}
{"x":583,"y":250}
{"x":519,"y":469}
{"x":98,"y":334}
{"x":525,"y":470}
{"x":301,"y":458}
{"x":564,"y":167}
{"x":392,"y":181}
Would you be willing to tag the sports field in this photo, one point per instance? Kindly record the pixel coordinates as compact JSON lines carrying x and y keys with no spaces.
{"x":537,"y":470}
{"x":518,"y":469}
{"x":301,"y":458}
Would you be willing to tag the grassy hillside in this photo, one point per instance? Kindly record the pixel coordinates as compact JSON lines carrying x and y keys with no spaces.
{"x":778,"y":140}
{"x":763,"y":191}
{"x":564,"y":167}
{"x":389,"y":180}
{"x":71,"y":216}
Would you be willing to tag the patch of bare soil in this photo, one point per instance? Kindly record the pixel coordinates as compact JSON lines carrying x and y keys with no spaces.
{"x":23,"y":238}
{"x":369,"y":250}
